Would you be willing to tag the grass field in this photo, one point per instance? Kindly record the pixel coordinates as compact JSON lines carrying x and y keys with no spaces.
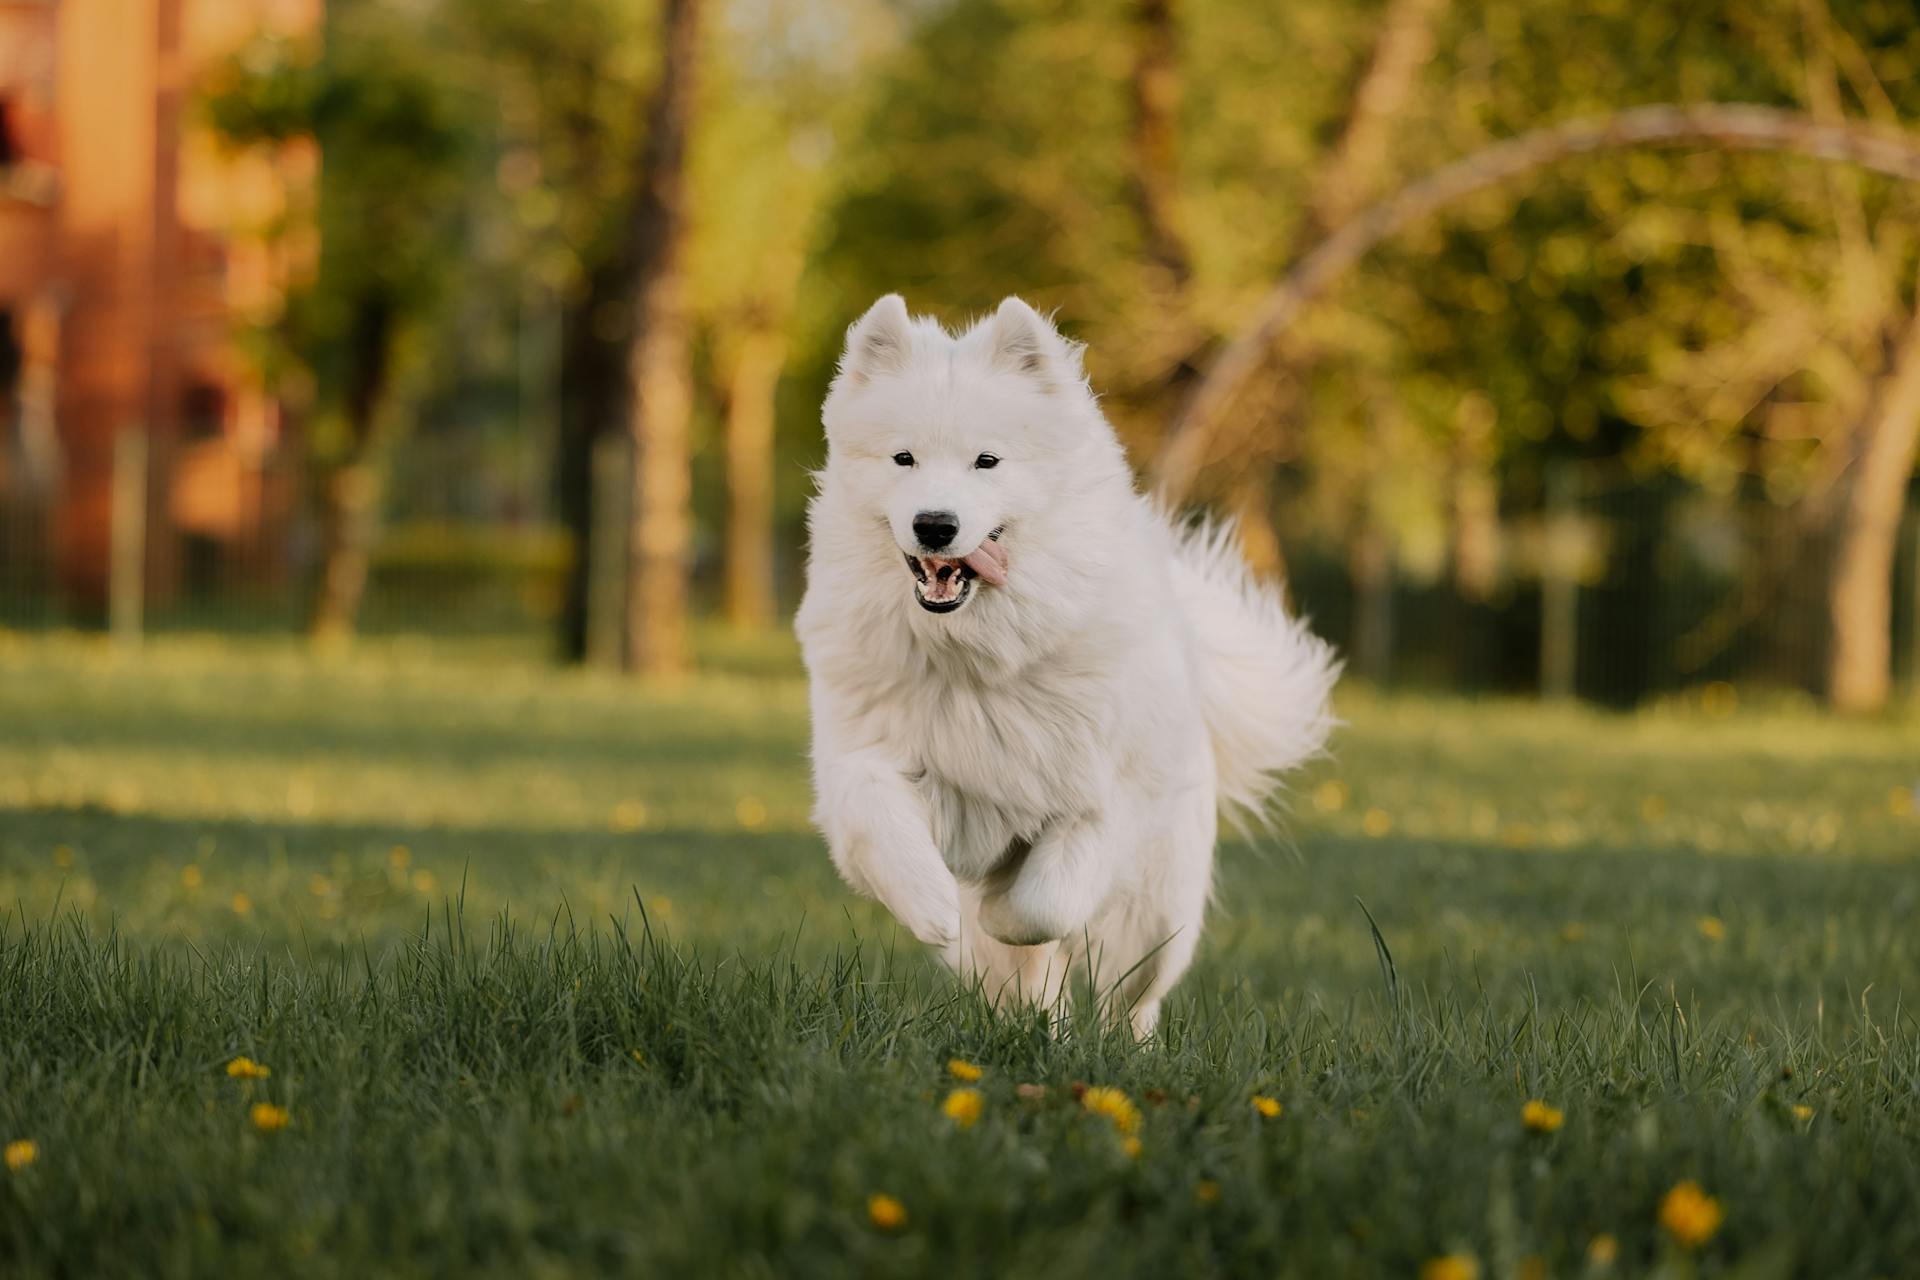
{"x":552,"y":978}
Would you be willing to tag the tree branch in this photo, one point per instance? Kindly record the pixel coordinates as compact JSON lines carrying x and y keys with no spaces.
{"x":1729,"y":127}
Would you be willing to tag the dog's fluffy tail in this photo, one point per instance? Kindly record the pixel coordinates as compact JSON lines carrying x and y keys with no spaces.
{"x":1264,"y":678}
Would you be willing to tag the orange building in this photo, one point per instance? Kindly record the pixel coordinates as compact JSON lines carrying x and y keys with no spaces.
{"x":131,"y":248}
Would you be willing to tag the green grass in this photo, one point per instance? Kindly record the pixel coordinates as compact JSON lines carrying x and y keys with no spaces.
{"x":447,"y":897}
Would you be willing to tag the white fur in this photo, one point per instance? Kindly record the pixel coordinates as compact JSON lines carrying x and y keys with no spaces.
{"x":1030,"y":783}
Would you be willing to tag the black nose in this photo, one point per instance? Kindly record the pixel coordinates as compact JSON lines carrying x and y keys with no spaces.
{"x":935,"y":529}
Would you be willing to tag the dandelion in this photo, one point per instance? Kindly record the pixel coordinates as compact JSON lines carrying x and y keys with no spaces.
{"x":1712,"y":928}
{"x":1207,"y":1191}
{"x":1105,"y":1101}
{"x":247,"y":1069}
{"x":886,"y":1213}
{"x":399,"y":856}
{"x":1538,"y":1117}
{"x":961,"y":1069}
{"x":20,"y":1153}
{"x":962,"y":1107}
{"x":750,"y":813}
{"x":1802,"y":1112}
{"x":1330,"y":796}
{"x":1602,"y":1250}
{"x":1267,"y":1107}
{"x":190,"y":876}
{"x":1452,"y":1266}
{"x":1690,"y":1215}
{"x":1131,"y":1147}
{"x":267,"y":1118}
{"x":423,"y":881}
{"x":627,"y":816}
{"x":241,"y":904}
{"x":1377,"y":823}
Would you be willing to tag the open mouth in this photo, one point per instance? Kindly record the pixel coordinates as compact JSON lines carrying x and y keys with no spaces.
{"x":942,"y":585}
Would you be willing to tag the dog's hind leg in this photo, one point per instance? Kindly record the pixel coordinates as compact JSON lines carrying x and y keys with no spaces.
{"x":1145,"y":939}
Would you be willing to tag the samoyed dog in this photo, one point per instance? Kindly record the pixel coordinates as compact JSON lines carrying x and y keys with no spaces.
{"x":1032,"y":694}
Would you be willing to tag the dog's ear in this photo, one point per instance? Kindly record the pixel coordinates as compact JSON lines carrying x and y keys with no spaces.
{"x":1021,"y":340}
{"x":878,"y":342}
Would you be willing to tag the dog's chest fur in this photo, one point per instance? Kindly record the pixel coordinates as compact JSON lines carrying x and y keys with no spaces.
{"x":996,"y":760}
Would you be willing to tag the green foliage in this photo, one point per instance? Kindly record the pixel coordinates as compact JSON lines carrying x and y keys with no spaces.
{"x":380,"y":99}
{"x":474,"y":889}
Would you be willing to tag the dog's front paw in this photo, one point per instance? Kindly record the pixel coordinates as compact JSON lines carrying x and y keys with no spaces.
{"x":1021,"y":918}
{"x":929,"y":908}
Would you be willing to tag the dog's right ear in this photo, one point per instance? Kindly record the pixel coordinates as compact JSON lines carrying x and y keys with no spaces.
{"x":878,"y":342}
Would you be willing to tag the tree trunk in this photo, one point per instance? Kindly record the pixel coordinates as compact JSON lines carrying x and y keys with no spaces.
{"x":1156,"y":173}
{"x":593,"y":399}
{"x":659,"y":364}
{"x":349,"y":489}
{"x":349,"y":499}
{"x":1866,"y":531}
{"x":753,"y":381}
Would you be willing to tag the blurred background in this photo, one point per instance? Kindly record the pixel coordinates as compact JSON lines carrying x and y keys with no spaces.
{"x":511,"y":318}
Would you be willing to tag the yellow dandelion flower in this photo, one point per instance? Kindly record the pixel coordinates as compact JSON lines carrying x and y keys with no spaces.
{"x":1377,"y":823}
{"x":962,"y":1107}
{"x":190,"y":877}
{"x":1541,"y":1118}
{"x":399,"y":856}
{"x":886,"y":1213}
{"x":1115,"y":1105}
{"x":1452,"y":1266}
{"x":1207,"y":1191}
{"x":1330,"y":796}
{"x":422,"y":881}
{"x":1602,"y":1250}
{"x":627,"y":816}
{"x":247,"y":1069}
{"x":241,"y":904}
{"x":750,"y":813}
{"x":1533,"y":1267}
{"x":1802,"y":1112}
{"x":1268,"y":1107}
{"x":961,"y":1069}
{"x":1131,"y":1146}
{"x":267,"y":1117}
{"x":1712,"y":928}
{"x":20,"y":1153}
{"x":1690,"y":1215}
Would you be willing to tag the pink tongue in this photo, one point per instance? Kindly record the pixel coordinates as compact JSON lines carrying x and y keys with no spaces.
{"x":989,"y":560}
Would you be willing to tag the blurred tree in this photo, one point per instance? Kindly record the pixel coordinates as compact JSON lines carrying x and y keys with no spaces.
{"x":659,"y":361}
{"x":569,"y":78}
{"x":782,"y":80}
{"x":383,"y":105}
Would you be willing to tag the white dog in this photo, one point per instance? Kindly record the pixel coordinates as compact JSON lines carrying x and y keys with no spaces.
{"x":1031,"y":694}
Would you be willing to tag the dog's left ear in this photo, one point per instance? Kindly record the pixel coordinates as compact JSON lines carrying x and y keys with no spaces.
{"x":1021,"y":340}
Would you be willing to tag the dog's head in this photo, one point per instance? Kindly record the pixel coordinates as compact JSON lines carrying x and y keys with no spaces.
{"x":958,"y":444}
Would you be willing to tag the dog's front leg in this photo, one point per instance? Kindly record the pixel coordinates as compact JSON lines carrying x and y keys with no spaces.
{"x":876,"y":828}
{"x":1055,"y":889}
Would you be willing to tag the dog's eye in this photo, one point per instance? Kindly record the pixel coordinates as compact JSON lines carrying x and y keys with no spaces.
{"x":903,"y":459}
{"x":986,"y":461}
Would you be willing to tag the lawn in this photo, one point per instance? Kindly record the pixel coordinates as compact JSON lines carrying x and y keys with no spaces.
{"x":553,"y":978}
